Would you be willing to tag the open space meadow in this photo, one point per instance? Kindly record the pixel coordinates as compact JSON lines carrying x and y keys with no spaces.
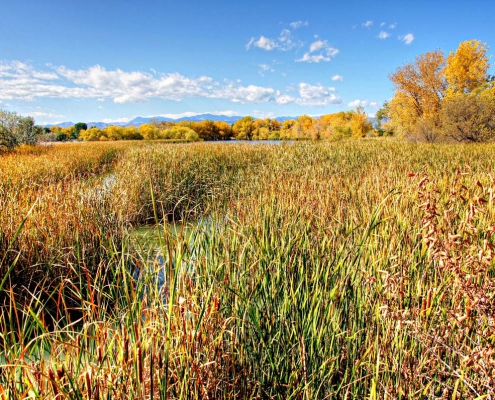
{"x":351,"y":269}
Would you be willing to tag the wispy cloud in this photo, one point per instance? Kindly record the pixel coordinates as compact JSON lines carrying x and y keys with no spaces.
{"x":42,"y":114}
{"x":263,"y":43}
{"x":264,"y":68}
{"x":337,"y":78}
{"x":109,"y":120}
{"x":368,"y":24}
{"x":229,"y":113}
{"x":284,"y":42}
{"x":383,"y":35}
{"x":263,"y":114}
{"x":407,"y":39}
{"x":319,"y":51}
{"x":362,"y":103}
{"x":298,"y":24}
{"x":392,"y":26}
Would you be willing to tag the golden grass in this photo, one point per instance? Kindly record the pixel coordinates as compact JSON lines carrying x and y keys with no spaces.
{"x":358,"y":269}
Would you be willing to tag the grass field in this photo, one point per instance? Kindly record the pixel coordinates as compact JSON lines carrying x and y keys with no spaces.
{"x":353,"y":269}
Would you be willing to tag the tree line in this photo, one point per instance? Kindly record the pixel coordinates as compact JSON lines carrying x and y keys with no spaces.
{"x":353,"y":123}
{"x":443,"y":98}
{"x":15,"y":129}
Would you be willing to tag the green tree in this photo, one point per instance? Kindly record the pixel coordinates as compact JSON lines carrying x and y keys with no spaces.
{"x":78,"y":128}
{"x":381,"y":117}
{"x":16,"y":130}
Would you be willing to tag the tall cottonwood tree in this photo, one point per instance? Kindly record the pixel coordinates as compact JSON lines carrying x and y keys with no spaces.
{"x":419,"y":90}
{"x":466,"y":69}
{"x":430,"y":89}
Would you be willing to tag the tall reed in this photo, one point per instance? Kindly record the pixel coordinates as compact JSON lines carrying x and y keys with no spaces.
{"x":356,"y":269}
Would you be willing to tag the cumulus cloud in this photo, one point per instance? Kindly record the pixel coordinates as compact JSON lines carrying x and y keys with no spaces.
{"x":23,"y":82}
{"x":407,"y":39}
{"x":337,"y":78}
{"x":316,"y":95}
{"x":245,"y":94}
{"x":363,"y":103}
{"x":298,"y":24}
{"x":319,"y":51}
{"x":383,"y":35}
{"x":368,"y":24}
{"x":284,"y":42}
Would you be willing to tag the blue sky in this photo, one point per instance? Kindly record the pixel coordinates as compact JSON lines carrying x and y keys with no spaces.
{"x":112,"y":60}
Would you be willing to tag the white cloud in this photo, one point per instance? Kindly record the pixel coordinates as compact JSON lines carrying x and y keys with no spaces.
{"x":250,"y":43}
{"x":319,"y":44}
{"x":319,"y":51}
{"x":363,"y":103}
{"x":316,"y":96}
{"x":392,"y":26}
{"x":285,"y":99}
{"x":41,"y":114}
{"x":228,"y":113}
{"x":245,"y":94}
{"x":313,"y":58}
{"x":263,"y":114}
{"x":368,"y":24}
{"x":284,"y":42}
{"x":407,"y":39}
{"x":263,"y":43}
{"x":25,"y":83}
{"x":382,"y":24}
{"x":383,"y":35}
{"x":122,"y":120}
{"x":337,"y":78}
{"x":264,"y":68}
{"x":298,"y":24}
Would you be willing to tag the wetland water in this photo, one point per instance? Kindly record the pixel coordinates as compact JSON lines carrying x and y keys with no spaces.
{"x":157,"y":245}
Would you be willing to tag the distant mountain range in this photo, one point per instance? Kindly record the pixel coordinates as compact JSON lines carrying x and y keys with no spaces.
{"x":146,"y":120}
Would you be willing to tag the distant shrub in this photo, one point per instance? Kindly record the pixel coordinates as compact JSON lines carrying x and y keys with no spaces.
{"x":16,"y":130}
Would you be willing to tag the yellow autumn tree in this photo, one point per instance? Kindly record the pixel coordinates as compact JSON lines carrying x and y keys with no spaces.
{"x":466,"y":69}
{"x":148,"y":131}
{"x":243,"y":129}
{"x":419,"y":91}
{"x":360,"y":124}
{"x":224,"y":130}
{"x":423,"y":87}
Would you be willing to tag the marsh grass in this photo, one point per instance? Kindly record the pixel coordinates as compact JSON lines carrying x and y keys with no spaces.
{"x":356,"y":269}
